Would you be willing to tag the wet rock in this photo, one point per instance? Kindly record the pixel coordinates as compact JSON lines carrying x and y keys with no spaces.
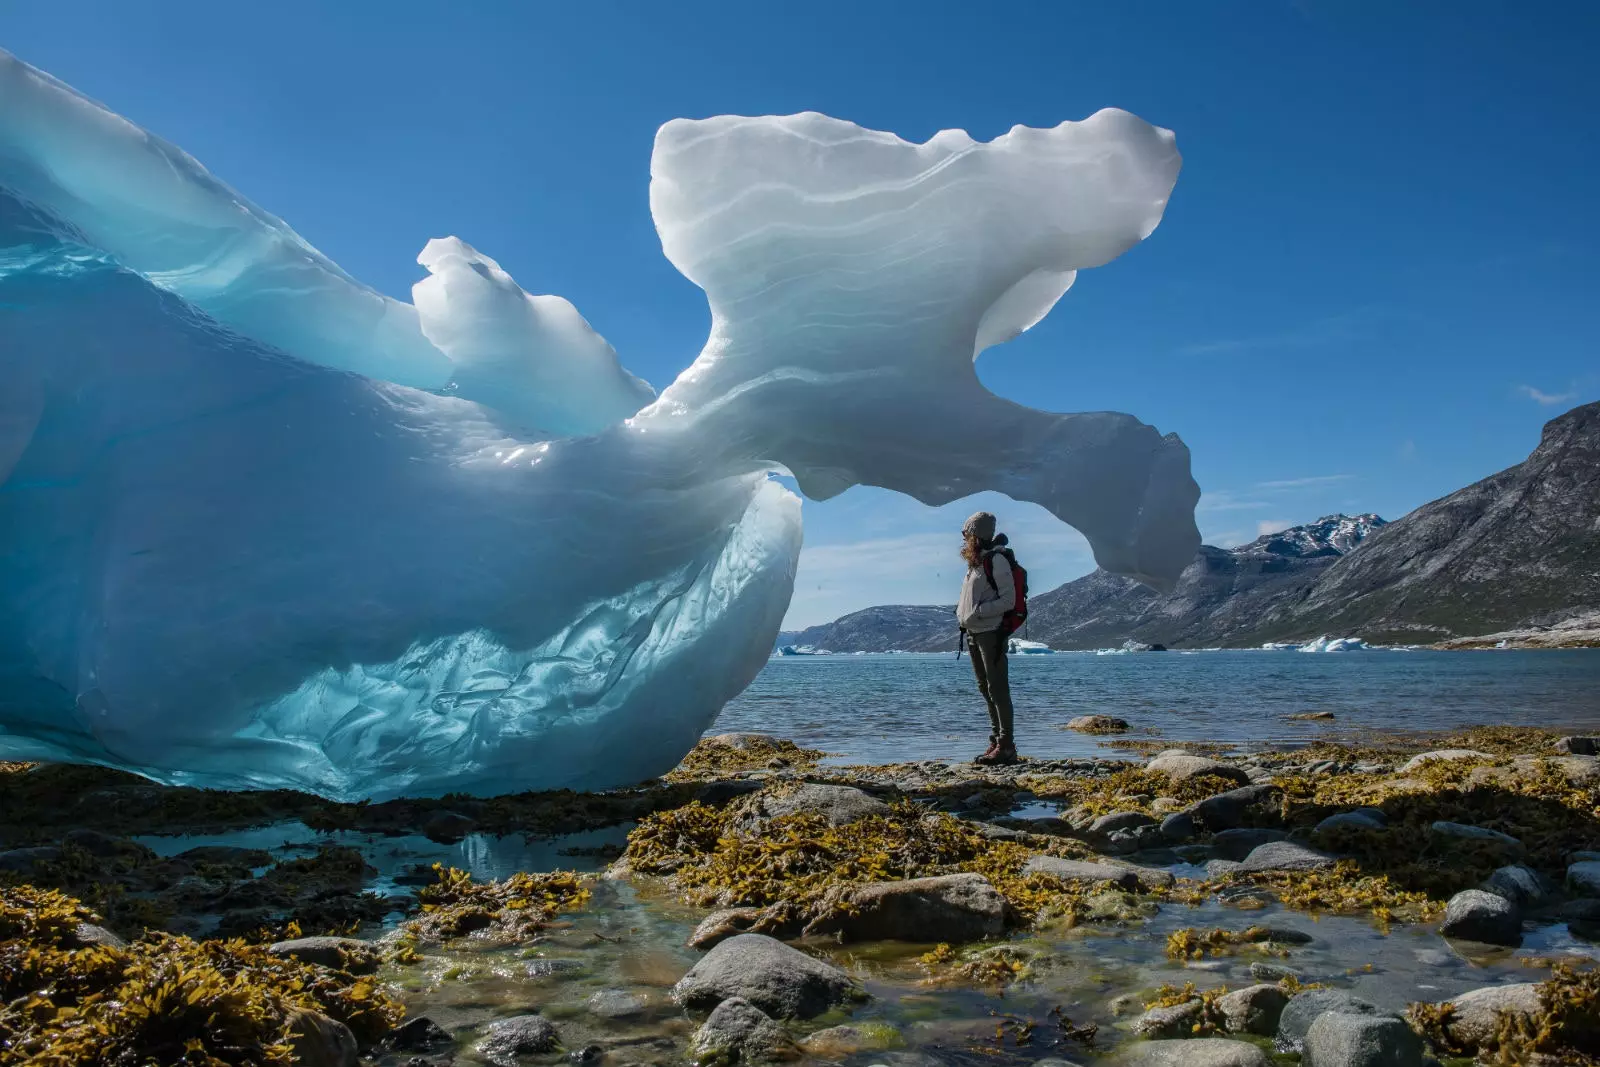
{"x":1194,"y":1052}
{"x":999,"y":833}
{"x":106,"y":846}
{"x":615,"y":1004}
{"x":22,"y":860}
{"x":837,"y":1042}
{"x":1523,"y":886}
{"x":1179,"y":827}
{"x":1475,"y":915}
{"x":719,"y":792}
{"x":1153,"y":877}
{"x":1285,"y":935}
{"x":448,"y":827}
{"x":519,"y":1035}
{"x":1583,"y":855}
{"x":1253,"y":1010}
{"x":1238,"y":843}
{"x":1340,"y":1040}
{"x":420,"y":1034}
{"x":1121,"y":820}
{"x":1578,"y":746}
{"x":1476,"y":1014}
{"x":586,"y":1054}
{"x":721,"y":925}
{"x":839,"y":804}
{"x":1445,"y":754}
{"x":87,"y":934}
{"x":1053,"y":826}
{"x":338,"y":953}
{"x":738,"y":1030}
{"x":951,"y":907}
{"x":1098,"y":724}
{"x":1584,"y":878}
{"x":1478,"y":835}
{"x":1347,"y":820}
{"x":1583,"y":909}
{"x":1285,"y":856}
{"x":234,"y":856}
{"x":1303,"y":1009}
{"x":548,"y":968}
{"x":782,"y":981}
{"x":1175,"y":1021}
{"x":1222,"y":868}
{"x":1228,"y":810}
{"x":319,"y":1041}
{"x":1081,"y":871}
{"x":1180,"y":766}
{"x":1262,"y":971}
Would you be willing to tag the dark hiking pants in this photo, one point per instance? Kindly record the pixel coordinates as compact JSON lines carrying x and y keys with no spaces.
{"x":989,"y":664}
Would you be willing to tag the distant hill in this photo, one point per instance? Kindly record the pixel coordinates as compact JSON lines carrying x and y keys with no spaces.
{"x":1517,"y":550}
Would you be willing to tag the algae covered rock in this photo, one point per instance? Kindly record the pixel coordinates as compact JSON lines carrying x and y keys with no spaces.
{"x":1255,"y":1009}
{"x":1475,"y":915}
{"x":839,"y":804}
{"x":1224,"y":811}
{"x":782,"y":981}
{"x":319,"y":1041}
{"x":1475,"y":1015}
{"x":837,"y":1042}
{"x":1339,"y":1039}
{"x":738,"y":1030}
{"x":339,"y":953}
{"x":1285,"y":856}
{"x":1098,"y":724}
{"x":1480,"y":836}
{"x":1447,"y":755}
{"x":1082,"y":871}
{"x":1180,"y":766}
{"x":1194,"y":1052}
{"x":1174,"y":1020}
{"x":721,"y":925}
{"x":951,"y":907}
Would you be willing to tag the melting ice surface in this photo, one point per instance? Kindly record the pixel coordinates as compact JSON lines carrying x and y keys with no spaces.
{"x":266,"y":527}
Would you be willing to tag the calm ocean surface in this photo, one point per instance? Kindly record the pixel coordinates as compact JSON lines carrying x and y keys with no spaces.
{"x":886,"y":708}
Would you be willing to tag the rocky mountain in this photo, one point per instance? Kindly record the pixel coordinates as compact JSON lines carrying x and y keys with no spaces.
{"x":1520,"y":548}
{"x":1224,"y":597}
{"x":1517,"y":552}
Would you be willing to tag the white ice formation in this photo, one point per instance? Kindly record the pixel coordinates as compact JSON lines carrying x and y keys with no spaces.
{"x":265,"y":527}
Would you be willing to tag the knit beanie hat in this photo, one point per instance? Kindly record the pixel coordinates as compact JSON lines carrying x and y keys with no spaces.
{"x":981,"y":525}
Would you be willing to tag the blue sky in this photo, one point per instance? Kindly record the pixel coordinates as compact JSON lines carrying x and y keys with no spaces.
{"x":1369,"y":289}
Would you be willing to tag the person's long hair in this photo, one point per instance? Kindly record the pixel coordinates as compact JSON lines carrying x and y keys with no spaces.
{"x":971,"y":551}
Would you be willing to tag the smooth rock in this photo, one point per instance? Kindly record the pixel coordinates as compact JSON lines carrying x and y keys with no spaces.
{"x":1180,"y":766}
{"x":1224,"y":811}
{"x":106,"y":846}
{"x":319,"y":1041}
{"x":1584,"y":878}
{"x":1098,"y":724}
{"x":1194,"y":1052}
{"x":1303,"y":1009}
{"x":1081,"y":871}
{"x":721,"y":925}
{"x":719,"y":792}
{"x":1179,"y":827}
{"x":837,"y":1042}
{"x":1523,"y":886}
{"x":839,"y":804}
{"x":1340,"y":1040}
{"x":1262,"y":971}
{"x":23,"y":859}
{"x":1253,"y":1010}
{"x":447,"y":827}
{"x":737,"y":1029}
{"x":87,"y":934}
{"x":951,"y":907}
{"x":1481,"y":835}
{"x":615,"y":1004}
{"x":1347,"y":820}
{"x":419,"y":1034}
{"x":782,"y":981}
{"x":1239,"y":842}
{"x":1285,"y":856}
{"x":1475,"y":915}
{"x":1222,"y":868}
{"x":1476,"y":1013}
{"x":1121,"y":820}
{"x":234,"y":856}
{"x":1449,"y":754}
{"x":337,"y":953}
{"x":506,"y":1039}
{"x":1175,"y":1021}
{"x":1578,"y":746}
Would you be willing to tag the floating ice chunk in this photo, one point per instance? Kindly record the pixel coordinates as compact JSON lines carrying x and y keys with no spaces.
{"x":852,"y":277}
{"x":533,"y":357}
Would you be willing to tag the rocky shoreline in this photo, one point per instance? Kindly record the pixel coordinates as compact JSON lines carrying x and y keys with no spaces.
{"x":1381,"y":901}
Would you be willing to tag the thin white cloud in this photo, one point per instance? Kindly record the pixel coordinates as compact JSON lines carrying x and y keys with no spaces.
{"x":1272,"y":526}
{"x":1300,"y":483}
{"x":1330,"y":329}
{"x":1538,"y":396}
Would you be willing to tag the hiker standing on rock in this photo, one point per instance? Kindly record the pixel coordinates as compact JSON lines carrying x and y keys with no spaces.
{"x":992,"y":606}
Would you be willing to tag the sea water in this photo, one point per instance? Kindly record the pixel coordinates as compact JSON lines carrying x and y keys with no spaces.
{"x":879,"y":708}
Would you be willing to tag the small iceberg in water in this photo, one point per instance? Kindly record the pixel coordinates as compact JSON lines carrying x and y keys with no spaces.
{"x":1335,"y":644}
{"x":1020,"y":647}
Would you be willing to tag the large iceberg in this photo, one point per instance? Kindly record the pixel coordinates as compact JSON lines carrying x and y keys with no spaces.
{"x":263,"y":526}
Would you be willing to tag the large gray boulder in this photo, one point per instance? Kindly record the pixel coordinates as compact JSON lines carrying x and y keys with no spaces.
{"x":1578,"y":746}
{"x":1476,"y":1014}
{"x":1481,"y":836}
{"x":1475,"y":915}
{"x":839,"y":804}
{"x":1180,"y":766}
{"x":1584,"y":878}
{"x":1348,"y":820}
{"x":1194,"y":1052}
{"x":1522,"y":885}
{"x":782,"y":981}
{"x":1337,"y":1039}
{"x":1303,"y":1009}
{"x":738,"y":1030}
{"x":1239,"y":842}
{"x":1285,"y":856}
{"x":950,"y":907}
{"x":1448,"y":755}
{"x":520,"y":1035}
{"x":1228,"y":810}
{"x":1255,"y":1009}
{"x":1082,"y":871}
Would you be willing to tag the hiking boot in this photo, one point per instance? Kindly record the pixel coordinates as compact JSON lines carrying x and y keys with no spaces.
{"x":1004,"y":755}
{"x":988,"y":753}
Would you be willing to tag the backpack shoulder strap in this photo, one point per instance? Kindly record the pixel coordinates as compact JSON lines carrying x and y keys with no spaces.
{"x":988,"y":568}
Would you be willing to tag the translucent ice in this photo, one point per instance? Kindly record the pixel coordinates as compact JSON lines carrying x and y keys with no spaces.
{"x":229,"y":561}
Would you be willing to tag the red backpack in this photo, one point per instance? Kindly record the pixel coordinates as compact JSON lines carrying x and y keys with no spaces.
{"x":1012,"y":620}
